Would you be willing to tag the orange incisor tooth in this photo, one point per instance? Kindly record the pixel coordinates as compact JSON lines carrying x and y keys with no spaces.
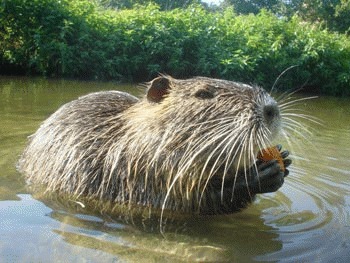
{"x":269,"y":154}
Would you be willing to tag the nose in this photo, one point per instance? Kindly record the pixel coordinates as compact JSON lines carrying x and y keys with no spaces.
{"x":271,"y":112}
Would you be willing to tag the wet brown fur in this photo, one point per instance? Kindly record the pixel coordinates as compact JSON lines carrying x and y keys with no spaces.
{"x":164,"y":150}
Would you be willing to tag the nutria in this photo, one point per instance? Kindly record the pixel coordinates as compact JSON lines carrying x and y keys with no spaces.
{"x":188,"y":145}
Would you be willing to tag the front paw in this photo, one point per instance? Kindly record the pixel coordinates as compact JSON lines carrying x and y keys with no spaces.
{"x":270,"y":177}
{"x":271,"y":173}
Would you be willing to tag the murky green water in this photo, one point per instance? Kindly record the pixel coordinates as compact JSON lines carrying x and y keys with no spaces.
{"x":308,"y":220}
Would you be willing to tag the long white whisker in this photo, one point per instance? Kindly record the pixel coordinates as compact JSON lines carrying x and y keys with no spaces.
{"x":280,"y":75}
{"x":283,"y":104}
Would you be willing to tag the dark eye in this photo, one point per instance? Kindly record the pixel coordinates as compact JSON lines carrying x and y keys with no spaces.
{"x":204,"y":94}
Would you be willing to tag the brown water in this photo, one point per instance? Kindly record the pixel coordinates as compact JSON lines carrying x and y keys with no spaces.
{"x":308,"y":220}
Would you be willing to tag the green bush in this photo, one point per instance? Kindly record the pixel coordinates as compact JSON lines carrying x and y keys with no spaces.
{"x":79,"y":39}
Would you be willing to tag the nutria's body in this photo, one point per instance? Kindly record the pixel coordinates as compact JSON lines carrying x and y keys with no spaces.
{"x":189,"y":145}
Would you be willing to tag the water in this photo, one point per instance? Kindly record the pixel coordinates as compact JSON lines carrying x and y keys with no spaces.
{"x":307,"y":220}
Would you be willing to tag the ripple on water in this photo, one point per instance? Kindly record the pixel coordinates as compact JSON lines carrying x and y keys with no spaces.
{"x":311,"y":212}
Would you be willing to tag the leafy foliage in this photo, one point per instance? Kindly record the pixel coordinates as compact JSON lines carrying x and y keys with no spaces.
{"x":332,"y":14}
{"x":79,"y":39}
{"x":252,"y":6}
{"x":163,"y":4}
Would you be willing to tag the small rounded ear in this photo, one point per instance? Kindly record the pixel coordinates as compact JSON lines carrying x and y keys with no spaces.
{"x":158,"y":89}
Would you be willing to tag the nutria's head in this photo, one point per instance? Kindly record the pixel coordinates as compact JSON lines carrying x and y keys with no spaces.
{"x":210,"y":118}
{"x":186,"y":134}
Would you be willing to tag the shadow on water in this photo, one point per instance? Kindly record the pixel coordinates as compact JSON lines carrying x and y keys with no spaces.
{"x":307,"y":220}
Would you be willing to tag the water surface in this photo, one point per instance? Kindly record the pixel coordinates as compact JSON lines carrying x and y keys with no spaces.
{"x":307,"y":220}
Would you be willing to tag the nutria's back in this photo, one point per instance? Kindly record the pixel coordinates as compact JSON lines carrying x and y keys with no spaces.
{"x":185,"y":146}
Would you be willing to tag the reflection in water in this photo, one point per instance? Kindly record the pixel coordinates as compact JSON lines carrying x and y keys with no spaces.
{"x":185,"y":240}
{"x":307,"y":220}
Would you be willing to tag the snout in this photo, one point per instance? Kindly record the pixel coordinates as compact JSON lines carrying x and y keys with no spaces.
{"x":271,"y":112}
{"x":272,"y":118}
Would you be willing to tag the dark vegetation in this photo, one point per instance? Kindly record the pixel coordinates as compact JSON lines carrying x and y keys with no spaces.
{"x":124,"y":41}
